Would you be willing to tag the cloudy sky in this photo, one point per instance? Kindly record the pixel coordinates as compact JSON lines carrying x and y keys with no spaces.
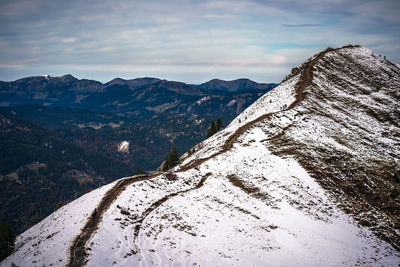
{"x":191,"y":41}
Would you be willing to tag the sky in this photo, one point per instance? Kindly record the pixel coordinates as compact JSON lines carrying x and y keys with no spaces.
{"x":191,"y":41}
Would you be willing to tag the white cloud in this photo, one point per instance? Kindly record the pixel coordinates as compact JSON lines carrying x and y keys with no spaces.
{"x":218,"y":38}
{"x":68,"y":40}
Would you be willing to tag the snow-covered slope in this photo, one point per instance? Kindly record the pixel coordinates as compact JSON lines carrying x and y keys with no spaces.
{"x":291,"y":187}
{"x":346,"y":134}
{"x":47,"y":242}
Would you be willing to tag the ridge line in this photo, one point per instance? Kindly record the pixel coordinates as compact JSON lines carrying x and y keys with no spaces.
{"x":77,"y":252}
{"x":230,"y":141}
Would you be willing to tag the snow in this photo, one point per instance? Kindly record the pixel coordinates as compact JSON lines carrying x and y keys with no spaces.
{"x":123,"y":147}
{"x":355,"y":119}
{"x":47,"y":243}
{"x":135,"y":199}
{"x":288,"y":219}
{"x":203,"y":100}
{"x":231,"y":103}
{"x":270,"y":102}
{"x":282,"y":217}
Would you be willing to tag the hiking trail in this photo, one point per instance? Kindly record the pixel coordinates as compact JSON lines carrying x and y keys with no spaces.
{"x":78,"y":250}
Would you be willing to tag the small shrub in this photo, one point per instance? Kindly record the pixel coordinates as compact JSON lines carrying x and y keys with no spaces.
{"x":125,"y":212}
{"x":172,"y":159}
{"x":171,"y":176}
{"x":191,"y":151}
{"x":212,"y":129}
{"x":364,"y":223}
{"x":139,"y":171}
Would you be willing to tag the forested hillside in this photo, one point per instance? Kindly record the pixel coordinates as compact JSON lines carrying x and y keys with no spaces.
{"x":41,"y":170}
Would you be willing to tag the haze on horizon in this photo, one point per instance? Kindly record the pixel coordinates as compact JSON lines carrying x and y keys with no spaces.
{"x":190,"y":41}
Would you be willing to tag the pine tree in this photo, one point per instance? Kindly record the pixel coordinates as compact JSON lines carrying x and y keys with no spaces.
{"x":212,"y":129}
{"x":172,"y":159}
{"x":7,"y":240}
{"x":219,"y":124}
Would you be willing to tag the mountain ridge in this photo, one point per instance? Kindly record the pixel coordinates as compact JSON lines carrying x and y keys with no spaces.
{"x":235,"y":85}
{"x":133,"y":99}
{"x":133,"y":83}
{"x":231,"y":85}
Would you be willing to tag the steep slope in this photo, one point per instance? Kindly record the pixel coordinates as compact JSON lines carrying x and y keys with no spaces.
{"x":51,"y":178}
{"x":48,"y":241}
{"x":238,"y":199}
{"x":346,"y":135}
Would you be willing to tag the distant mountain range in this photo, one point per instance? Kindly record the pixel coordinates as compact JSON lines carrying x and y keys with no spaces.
{"x":132,"y":99}
{"x":69,"y":91}
{"x":167,"y":112}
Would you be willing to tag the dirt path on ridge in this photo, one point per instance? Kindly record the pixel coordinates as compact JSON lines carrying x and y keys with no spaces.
{"x":78,"y":254}
{"x":159,"y":202}
{"x":305,"y":81}
{"x":78,"y":250}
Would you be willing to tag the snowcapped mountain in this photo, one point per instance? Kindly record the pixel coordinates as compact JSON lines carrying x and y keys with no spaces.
{"x":307,"y":175}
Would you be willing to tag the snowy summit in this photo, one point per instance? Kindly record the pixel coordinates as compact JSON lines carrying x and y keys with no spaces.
{"x":302,"y":177}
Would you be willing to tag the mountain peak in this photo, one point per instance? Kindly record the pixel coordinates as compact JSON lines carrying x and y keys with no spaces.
{"x":66,"y":78}
{"x":46,"y":76}
{"x":235,"y":85}
{"x":179,"y":87}
{"x":133,"y":83}
{"x":115,"y":81}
